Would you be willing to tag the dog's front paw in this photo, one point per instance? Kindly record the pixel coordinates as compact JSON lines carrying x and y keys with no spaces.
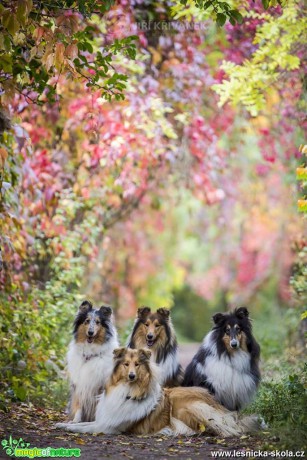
{"x":61,"y":425}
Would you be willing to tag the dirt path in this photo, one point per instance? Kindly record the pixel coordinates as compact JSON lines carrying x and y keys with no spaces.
{"x":36,"y":426}
{"x":186,"y":353}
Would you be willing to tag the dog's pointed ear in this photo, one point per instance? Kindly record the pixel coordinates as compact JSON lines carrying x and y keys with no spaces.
{"x":119,"y":352}
{"x":242,"y":312}
{"x":143,"y":312}
{"x":218,"y":318}
{"x":164,"y":312}
{"x":144,"y":354}
{"x":106,"y":311}
{"x":85,"y":306}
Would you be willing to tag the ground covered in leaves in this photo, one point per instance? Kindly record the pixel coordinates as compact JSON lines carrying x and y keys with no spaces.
{"x":35,"y":425}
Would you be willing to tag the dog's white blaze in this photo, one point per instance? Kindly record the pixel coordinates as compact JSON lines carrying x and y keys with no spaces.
{"x":230,"y":376}
{"x":89,"y":367}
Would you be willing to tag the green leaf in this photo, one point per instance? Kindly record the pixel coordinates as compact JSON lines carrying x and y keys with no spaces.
{"x":220,"y":19}
{"x":207,"y":5}
{"x":21,"y":13}
{"x":10,"y":22}
{"x":236,"y":15}
{"x":6,"y":63}
{"x":21,"y":393}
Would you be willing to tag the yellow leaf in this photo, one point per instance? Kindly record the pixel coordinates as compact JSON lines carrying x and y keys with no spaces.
{"x":80,"y":441}
{"x":156,"y":56}
{"x":59,"y":55}
{"x":3,"y":155}
{"x":10,"y":22}
{"x":202,"y":428}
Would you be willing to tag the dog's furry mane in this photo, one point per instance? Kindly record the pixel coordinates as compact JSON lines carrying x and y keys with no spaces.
{"x":154,"y":410}
{"x":165,"y":349}
{"x":232,"y":375}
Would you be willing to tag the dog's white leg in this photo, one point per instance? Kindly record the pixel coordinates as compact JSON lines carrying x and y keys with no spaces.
{"x":85,"y":427}
{"x":167,"y":431}
{"x":77,"y":417}
{"x":180,"y":427}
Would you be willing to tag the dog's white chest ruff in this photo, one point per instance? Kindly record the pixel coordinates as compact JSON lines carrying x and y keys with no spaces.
{"x":167,"y":368}
{"x":90,"y":365}
{"x":230,"y":377}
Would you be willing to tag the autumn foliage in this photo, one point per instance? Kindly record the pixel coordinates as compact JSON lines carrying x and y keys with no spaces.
{"x":124,"y":179}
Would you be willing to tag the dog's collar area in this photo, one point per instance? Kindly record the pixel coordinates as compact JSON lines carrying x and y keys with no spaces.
{"x":89,"y":357}
{"x":136,"y":399}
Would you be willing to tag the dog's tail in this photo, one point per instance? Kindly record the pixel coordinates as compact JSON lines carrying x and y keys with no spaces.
{"x":222,"y":422}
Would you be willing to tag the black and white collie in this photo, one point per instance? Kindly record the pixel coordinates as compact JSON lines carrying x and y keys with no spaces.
{"x":227,"y":361}
{"x":90,"y":359}
{"x":155,"y":331}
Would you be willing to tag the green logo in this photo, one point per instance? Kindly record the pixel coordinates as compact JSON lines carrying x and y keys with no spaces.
{"x":10,"y":445}
{"x":21,"y":449}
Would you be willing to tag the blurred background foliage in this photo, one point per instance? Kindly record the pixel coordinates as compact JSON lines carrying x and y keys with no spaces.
{"x":148,"y":154}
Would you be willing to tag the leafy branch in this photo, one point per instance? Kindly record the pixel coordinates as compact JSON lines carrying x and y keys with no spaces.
{"x":40,"y":40}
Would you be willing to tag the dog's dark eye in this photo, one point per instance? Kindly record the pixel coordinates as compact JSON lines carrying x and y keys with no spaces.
{"x":227,"y":331}
{"x":136,"y":364}
{"x":157,"y":325}
{"x":87,"y":321}
{"x":238,"y":329}
{"x":126,"y":364}
{"x":97,"y":322}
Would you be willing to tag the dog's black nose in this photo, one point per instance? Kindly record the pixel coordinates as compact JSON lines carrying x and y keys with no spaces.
{"x":150,"y":336}
{"x":90,"y":333}
{"x":131,"y":376}
{"x":234,"y":344}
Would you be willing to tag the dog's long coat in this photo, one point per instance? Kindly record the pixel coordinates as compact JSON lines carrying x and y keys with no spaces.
{"x":134,"y":402}
{"x":90,"y":359}
{"x":227,"y":362}
{"x":156,"y":331}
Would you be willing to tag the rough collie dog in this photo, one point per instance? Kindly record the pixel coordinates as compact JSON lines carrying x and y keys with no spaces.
{"x":227,"y":361}
{"x":90,"y":359}
{"x":155,"y":331}
{"x":134,"y":402}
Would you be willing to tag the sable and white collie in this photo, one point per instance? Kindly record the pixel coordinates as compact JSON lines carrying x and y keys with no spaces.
{"x":90,"y":359}
{"x":227,"y":362}
{"x":134,"y":402}
{"x":155,"y":331}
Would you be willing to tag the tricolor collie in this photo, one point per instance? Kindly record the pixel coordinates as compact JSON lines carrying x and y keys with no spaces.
{"x":155,"y":331}
{"x":90,"y":359}
{"x":134,"y":402}
{"x":227,"y":361}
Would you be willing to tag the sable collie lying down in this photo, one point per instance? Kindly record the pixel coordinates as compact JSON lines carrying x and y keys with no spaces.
{"x":134,"y":402}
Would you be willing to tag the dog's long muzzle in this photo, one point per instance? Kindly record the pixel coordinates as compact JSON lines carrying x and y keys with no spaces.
{"x":150,"y":340}
{"x":90,"y":336}
{"x":234,"y":343}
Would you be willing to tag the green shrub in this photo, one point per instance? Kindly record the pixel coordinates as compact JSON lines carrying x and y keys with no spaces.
{"x":34,"y":332}
{"x":283,"y":406}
